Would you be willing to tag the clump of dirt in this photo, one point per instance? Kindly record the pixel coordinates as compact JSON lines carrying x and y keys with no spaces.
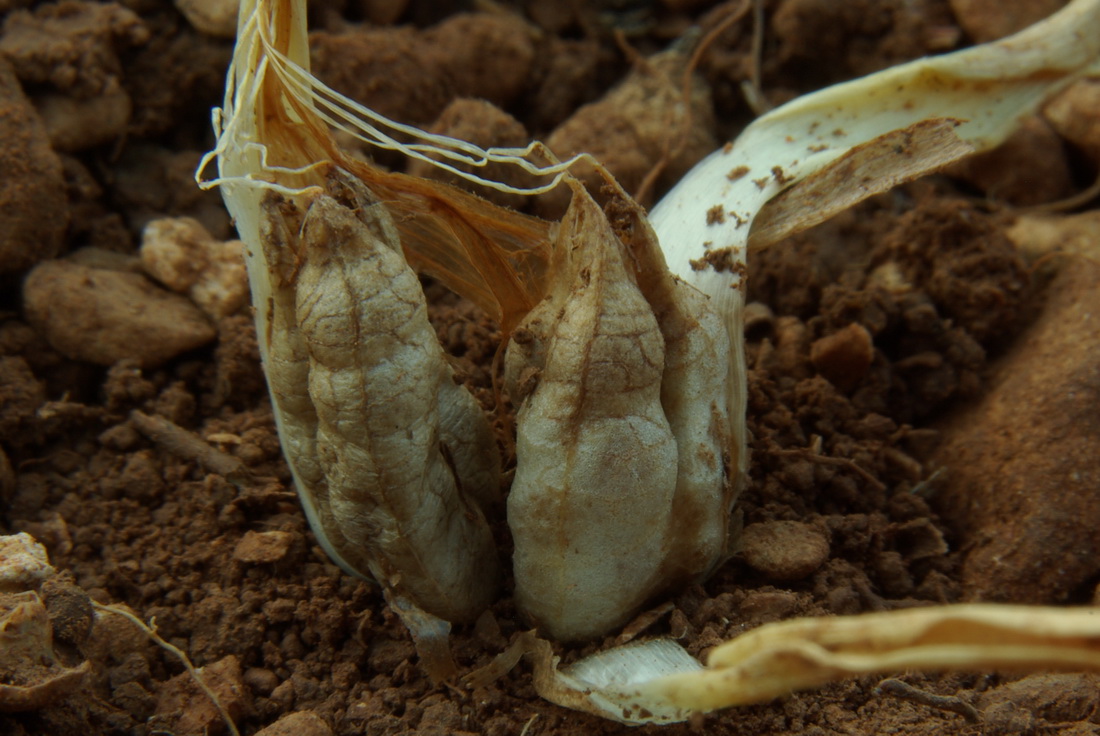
{"x":163,"y":488}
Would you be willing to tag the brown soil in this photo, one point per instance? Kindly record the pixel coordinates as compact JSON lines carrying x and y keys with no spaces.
{"x":207,"y":538}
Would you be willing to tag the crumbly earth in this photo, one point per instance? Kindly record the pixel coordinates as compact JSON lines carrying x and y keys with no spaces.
{"x":207,"y":537}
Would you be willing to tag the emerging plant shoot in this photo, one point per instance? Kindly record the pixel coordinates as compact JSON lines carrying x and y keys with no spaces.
{"x":625,"y":360}
{"x":622,"y":485}
{"x":394,"y":458}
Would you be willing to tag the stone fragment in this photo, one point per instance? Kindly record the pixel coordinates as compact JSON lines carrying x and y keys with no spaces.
{"x":23,"y":563}
{"x":261,"y":680}
{"x":181,"y":254}
{"x":770,"y":605}
{"x":1072,"y":236}
{"x":844,"y":356}
{"x":260,"y":547}
{"x":34,"y":210}
{"x":106,"y":316}
{"x":302,"y":723}
{"x":784,"y":550}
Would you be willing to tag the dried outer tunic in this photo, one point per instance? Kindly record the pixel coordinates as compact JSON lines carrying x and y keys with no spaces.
{"x":695,"y":397}
{"x":394,"y":458}
{"x":603,"y":478}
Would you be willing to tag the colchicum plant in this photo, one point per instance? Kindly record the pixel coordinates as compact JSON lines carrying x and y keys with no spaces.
{"x":624,"y":360}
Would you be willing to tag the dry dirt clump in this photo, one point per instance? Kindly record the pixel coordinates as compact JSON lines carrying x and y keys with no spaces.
{"x":32,"y":177}
{"x":155,"y":479}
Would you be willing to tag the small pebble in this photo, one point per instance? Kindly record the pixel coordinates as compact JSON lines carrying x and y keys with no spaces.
{"x":259,"y":547}
{"x":121,"y":437}
{"x":181,"y":254}
{"x":844,"y":356}
{"x":784,"y":550}
{"x":284,"y":694}
{"x":759,"y":320}
{"x":261,"y":680}
{"x":103,"y":317}
{"x":769,"y":605}
{"x":24,"y":564}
